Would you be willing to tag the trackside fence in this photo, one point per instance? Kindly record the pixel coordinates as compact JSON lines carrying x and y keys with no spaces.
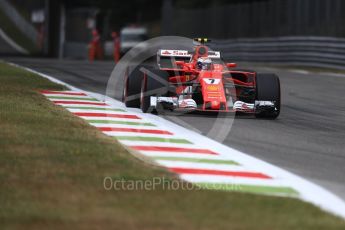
{"x":298,"y":50}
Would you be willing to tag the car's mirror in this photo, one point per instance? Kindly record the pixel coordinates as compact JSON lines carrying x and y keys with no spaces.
{"x":231,"y":65}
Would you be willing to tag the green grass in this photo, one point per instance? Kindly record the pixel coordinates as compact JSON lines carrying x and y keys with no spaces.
{"x":14,"y":33}
{"x":52,"y":168}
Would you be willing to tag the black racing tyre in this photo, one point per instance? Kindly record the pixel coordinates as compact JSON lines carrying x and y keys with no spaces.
{"x":154,"y":83}
{"x":268,"y":89}
{"x":132,"y":86}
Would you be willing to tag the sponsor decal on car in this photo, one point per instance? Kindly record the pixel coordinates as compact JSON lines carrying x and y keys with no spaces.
{"x":211,"y":81}
{"x":212,"y":88}
{"x":166,"y":52}
{"x":175,"y":53}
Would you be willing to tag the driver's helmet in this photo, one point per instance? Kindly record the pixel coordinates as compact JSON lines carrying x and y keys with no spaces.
{"x":204,"y":63}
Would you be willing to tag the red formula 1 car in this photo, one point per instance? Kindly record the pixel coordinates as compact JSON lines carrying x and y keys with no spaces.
{"x":199,"y":80}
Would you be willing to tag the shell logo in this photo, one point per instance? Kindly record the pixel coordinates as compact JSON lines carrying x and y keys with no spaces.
{"x":166,"y":52}
{"x":212,"y":88}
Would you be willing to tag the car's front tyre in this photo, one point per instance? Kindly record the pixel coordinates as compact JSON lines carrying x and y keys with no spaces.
{"x":154,"y":83}
{"x":131,"y":88}
{"x":268,"y":89}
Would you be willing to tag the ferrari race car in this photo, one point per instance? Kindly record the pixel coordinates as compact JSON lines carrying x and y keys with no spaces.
{"x":198,"y":80}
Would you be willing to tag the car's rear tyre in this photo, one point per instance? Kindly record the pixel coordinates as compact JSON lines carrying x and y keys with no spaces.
{"x":132,"y":86}
{"x":154,"y":83}
{"x":268,"y":89}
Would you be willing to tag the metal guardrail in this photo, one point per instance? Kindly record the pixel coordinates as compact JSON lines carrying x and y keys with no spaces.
{"x":303,"y":51}
{"x":306,"y":51}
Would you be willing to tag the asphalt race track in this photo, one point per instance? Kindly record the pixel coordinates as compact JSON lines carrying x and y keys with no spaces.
{"x":308,"y":138}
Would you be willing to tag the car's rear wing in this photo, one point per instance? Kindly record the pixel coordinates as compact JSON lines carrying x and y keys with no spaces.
{"x":166,"y":58}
